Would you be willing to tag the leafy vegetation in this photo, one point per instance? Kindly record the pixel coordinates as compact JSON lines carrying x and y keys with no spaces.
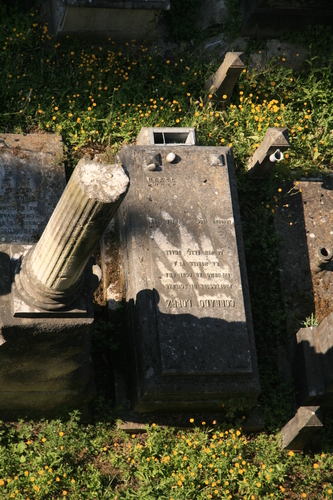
{"x":99,"y":96}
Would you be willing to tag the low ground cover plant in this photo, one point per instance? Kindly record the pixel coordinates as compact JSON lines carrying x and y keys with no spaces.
{"x":99,"y":96}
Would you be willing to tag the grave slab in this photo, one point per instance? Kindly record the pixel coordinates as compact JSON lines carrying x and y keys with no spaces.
{"x":269,"y":17}
{"x":191,"y":336}
{"x":168,"y":136}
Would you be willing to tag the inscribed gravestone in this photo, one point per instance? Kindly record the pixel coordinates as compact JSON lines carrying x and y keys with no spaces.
{"x":32,"y":178}
{"x":192,"y":341}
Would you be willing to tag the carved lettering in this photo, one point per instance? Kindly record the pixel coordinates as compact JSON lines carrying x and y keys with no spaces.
{"x":203,"y":264}
{"x":224,"y":222}
{"x":161,"y":181}
{"x":193,"y":252}
{"x":218,"y":275}
{"x":179,"y":303}
{"x":198,"y":286}
{"x":217,"y":303}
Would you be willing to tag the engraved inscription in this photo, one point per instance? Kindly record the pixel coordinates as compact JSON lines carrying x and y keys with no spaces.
{"x":199,"y":286}
{"x":223,"y":222}
{"x":161,"y":181}
{"x":217,"y":303}
{"x":177,"y":303}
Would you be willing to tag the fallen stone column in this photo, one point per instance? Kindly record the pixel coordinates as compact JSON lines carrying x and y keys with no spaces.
{"x":51,"y":274}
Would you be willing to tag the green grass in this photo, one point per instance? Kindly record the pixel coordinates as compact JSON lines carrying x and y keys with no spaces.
{"x":99,"y":96}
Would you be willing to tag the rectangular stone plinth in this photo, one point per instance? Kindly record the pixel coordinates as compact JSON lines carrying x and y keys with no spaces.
{"x":191,"y":341}
{"x":32,"y":179}
{"x":45,"y":367}
{"x":121,"y":20}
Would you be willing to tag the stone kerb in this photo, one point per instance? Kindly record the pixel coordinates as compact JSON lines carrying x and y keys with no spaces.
{"x":270,"y":151}
{"x":222,"y":83}
{"x":303,"y":428}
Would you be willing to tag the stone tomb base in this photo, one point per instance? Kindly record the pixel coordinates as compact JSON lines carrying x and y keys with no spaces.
{"x":45,"y":367}
{"x":191,"y":340}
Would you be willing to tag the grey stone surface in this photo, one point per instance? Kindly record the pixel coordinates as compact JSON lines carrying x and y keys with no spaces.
{"x":118,"y":4}
{"x":275,"y":141}
{"x":192,"y":342}
{"x":269,"y":17}
{"x":212,"y":13}
{"x":289,"y":55}
{"x":168,"y":136}
{"x":222,"y":82}
{"x":304,"y":428}
{"x":120,"y":20}
{"x":303,"y":225}
{"x":32,"y":179}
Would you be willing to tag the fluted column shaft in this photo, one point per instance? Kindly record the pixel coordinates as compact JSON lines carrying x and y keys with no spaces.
{"x":54,"y":267}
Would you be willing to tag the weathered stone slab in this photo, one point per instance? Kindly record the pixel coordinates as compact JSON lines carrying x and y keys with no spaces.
{"x":192,"y":342}
{"x":269,"y":153}
{"x":32,"y":178}
{"x":303,"y":428}
{"x":303,"y":223}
